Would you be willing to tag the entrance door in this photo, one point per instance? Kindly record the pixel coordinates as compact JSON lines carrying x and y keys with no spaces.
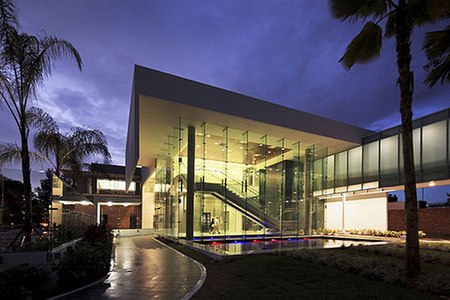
{"x":133,"y":221}
{"x":105,"y":219}
{"x":206,"y":221}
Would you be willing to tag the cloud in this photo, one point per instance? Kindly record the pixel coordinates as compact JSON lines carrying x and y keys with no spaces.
{"x":286,"y":52}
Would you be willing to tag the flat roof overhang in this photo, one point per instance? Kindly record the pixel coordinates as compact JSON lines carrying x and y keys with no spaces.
{"x":159,"y":100}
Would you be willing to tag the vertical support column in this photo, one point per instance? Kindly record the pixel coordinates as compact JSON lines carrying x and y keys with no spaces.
{"x":190,"y":184}
{"x":309,"y":184}
{"x":98,"y":213}
{"x":344,"y":199}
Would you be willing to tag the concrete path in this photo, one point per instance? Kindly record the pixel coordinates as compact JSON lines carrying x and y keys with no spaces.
{"x":145,"y":269}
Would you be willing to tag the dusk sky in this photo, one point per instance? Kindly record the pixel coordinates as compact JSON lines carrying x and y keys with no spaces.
{"x":284,"y":52}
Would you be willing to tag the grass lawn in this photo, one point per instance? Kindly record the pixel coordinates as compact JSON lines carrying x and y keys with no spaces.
{"x":288,"y":277}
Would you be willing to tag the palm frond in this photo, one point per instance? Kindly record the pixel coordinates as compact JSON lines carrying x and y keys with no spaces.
{"x":88,"y":142}
{"x":10,"y":153}
{"x":48,"y":142}
{"x":40,"y":120}
{"x":51,"y":48}
{"x":428,"y":11}
{"x":391,"y":25}
{"x":353,"y":10}
{"x":437,"y":43}
{"x":437,"y":49}
{"x":365,"y":47}
{"x":8,"y":18}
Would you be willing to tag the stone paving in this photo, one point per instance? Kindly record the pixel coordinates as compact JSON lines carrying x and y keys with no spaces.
{"x":144,"y":269}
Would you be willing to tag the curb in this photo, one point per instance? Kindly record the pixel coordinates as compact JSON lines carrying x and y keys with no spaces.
{"x":80,"y":288}
{"x":202,"y":268}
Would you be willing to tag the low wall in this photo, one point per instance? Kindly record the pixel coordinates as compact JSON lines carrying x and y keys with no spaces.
{"x":34,"y":258}
{"x":431,"y":220}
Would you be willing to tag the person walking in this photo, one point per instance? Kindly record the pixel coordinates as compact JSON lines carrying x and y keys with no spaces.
{"x":211,"y":226}
{"x":216,"y":225}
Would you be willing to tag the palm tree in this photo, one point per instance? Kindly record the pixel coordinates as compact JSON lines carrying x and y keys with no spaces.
{"x":67,"y":151}
{"x":437,"y":49}
{"x":8,"y":19}
{"x":70,"y":150}
{"x":25,"y":62}
{"x":400,"y":18}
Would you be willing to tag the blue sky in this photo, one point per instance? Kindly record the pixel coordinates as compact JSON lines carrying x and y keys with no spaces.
{"x":281,"y":51}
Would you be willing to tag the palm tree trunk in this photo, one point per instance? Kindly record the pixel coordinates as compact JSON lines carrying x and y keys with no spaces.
{"x":406,"y":82}
{"x":26,"y":173}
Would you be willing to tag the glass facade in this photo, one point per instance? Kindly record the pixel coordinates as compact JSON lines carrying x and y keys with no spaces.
{"x":380,"y":159}
{"x":251,"y":183}
{"x":245,"y":183}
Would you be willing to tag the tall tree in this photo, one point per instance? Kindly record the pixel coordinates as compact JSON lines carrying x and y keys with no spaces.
{"x":63,"y":151}
{"x":25,"y":62}
{"x":69,"y":151}
{"x":399,"y":18}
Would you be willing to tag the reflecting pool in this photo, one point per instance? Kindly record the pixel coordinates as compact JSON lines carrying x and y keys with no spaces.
{"x":241,"y":247}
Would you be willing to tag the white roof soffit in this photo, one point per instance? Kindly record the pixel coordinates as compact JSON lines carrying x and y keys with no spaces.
{"x":159,"y":99}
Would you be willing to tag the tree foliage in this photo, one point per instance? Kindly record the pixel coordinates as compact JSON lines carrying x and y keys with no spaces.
{"x":26,"y":61}
{"x":399,"y":18}
{"x":71,"y":150}
{"x":437,"y":49}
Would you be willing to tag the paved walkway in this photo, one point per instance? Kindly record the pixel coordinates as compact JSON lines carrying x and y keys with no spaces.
{"x":145,"y":269}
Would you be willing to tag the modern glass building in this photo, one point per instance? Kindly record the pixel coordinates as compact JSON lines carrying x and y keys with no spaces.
{"x":211,"y":156}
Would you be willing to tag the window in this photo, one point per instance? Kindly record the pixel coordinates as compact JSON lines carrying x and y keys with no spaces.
{"x":114,"y":185}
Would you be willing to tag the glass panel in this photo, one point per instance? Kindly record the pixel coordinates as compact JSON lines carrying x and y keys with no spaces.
{"x":341,"y":169}
{"x":106,"y":186}
{"x":309,"y":187}
{"x":236,"y":176}
{"x":298,"y":186}
{"x":416,"y":149}
{"x":370,"y":162}
{"x":290,"y":206}
{"x":434,"y":145}
{"x":355,"y":165}
{"x":318,"y":171}
{"x":388,"y":155}
{"x":329,"y":172}
{"x":273,"y":182}
{"x":280,"y":172}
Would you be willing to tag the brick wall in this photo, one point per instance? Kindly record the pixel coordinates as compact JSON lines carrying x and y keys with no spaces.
{"x":431,"y":220}
{"x":119,"y":216}
{"x":87,"y":209}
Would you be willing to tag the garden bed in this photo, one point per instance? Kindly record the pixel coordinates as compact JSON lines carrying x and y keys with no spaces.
{"x":270,"y":276}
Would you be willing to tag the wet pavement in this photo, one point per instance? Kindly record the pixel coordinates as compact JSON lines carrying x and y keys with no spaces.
{"x":144,"y":269}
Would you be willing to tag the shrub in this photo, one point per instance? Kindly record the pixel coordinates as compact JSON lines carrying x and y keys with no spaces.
{"x":386,"y":233}
{"x":385,"y":263}
{"x":88,"y":261}
{"x":22,"y":282}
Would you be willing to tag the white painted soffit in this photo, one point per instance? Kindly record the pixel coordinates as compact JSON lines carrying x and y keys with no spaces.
{"x":157,"y":118}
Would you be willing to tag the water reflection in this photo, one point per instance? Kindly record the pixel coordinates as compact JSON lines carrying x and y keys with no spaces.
{"x":239,"y":247}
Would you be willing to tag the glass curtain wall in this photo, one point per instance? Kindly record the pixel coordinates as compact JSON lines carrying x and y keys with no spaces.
{"x":246,"y":183}
{"x":379,"y":161}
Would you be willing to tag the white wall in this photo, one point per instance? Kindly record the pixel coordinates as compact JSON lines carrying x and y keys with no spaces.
{"x":148,"y":209}
{"x":361,"y":212}
{"x":333,"y":214}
